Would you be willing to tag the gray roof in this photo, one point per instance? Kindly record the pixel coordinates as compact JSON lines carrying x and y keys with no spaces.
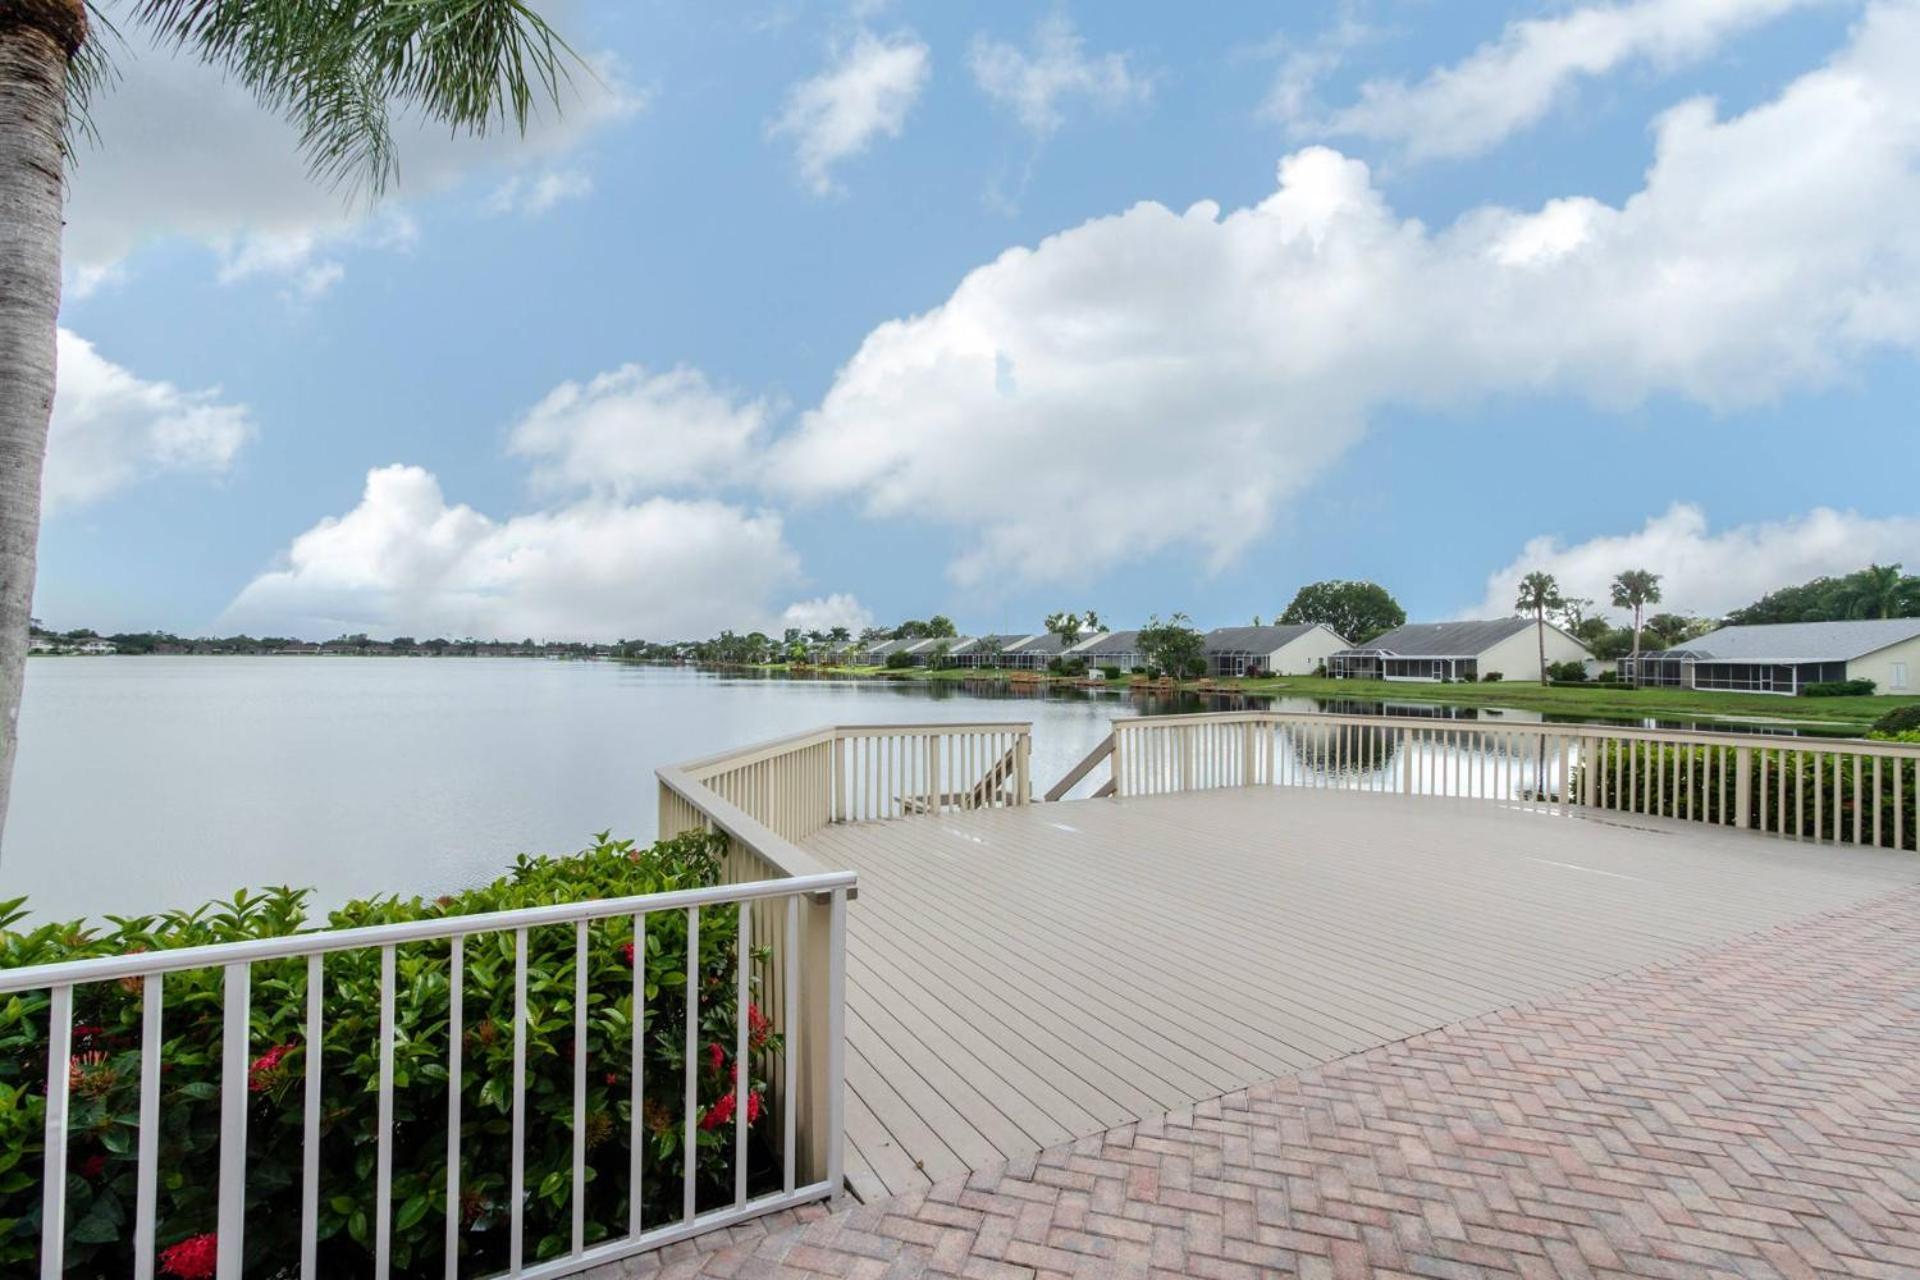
{"x":1800,"y":641}
{"x":1445,"y":639}
{"x":1257,"y":639}
{"x":885,"y":647}
{"x":1005,"y":640}
{"x":1111,"y":643}
{"x":1045,"y":642}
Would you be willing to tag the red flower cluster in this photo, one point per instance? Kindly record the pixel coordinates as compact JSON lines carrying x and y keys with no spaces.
{"x":721,"y":1112}
{"x":195,"y":1258}
{"x":265,"y":1070}
{"x":92,"y":1167}
{"x":626,"y":954}
{"x":716,"y":1056}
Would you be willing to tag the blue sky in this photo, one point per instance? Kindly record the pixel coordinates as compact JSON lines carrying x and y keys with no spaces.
{"x":822,"y":312}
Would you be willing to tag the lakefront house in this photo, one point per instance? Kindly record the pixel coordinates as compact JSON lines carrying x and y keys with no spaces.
{"x":1498,"y":648}
{"x":1785,"y":657}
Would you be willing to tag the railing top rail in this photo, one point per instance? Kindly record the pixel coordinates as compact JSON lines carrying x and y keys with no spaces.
{"x":1696,"y":737}
{"x":813,"y":737}
{"x":788,"y":857}
{"x":112,"y":968}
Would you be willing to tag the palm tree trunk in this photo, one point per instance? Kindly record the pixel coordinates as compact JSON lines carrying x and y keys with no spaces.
{"x":37,"y":40}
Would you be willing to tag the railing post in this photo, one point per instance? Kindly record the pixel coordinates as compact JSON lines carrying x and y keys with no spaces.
{"x":1589,"y":773}
{"x":1742,"y":786}
{"x":822,"y":1039}
{"x":1247,"y":768}
{"x":1022,"y":768}
{"x":1114,"y":763}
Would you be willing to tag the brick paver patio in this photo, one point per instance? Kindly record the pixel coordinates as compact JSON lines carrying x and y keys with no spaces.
{"x":1753,"y":1112}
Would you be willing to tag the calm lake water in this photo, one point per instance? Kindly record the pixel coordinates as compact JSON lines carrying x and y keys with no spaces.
{"x":151,"y":782}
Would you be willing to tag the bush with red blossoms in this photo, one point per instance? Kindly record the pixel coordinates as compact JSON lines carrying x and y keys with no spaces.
{"x":104,"y":1073}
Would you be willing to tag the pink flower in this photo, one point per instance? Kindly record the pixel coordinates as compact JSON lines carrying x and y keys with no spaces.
{"x":195,"y":1258}
{"x":265,"y":1071}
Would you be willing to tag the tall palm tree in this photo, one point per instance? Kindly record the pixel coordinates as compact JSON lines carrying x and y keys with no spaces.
{"x":1539,"y":593}
{"x":1881,"y":591}
{"x":336,"y":69}
{"x":1635,"y":589}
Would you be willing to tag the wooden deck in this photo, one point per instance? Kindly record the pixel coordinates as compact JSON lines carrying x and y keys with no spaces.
{"x":1020,"y":977}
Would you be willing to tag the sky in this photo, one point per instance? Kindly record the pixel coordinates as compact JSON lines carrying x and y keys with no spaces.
{"x":810,"y":314}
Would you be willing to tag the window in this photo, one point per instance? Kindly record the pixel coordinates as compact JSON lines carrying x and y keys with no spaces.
{"x":1897,"y":676}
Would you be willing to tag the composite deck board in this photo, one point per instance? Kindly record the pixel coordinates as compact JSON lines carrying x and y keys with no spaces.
{"x":1021,"y":976}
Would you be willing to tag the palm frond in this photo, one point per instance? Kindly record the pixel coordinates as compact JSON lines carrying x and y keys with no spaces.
{"x":90,"y":72}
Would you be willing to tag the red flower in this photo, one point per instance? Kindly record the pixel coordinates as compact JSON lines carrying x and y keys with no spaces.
{"x":753,"y":1107}
{"x":612,"y":1079}
{"x":626,"y":954}
{"x":716,"y":1056}
{"x":719,"y":1113}
{"x":758,"y":1027}
{"x":93,"y":1166}
{"x":195,"y":1258}
{"x":265,"y":1071}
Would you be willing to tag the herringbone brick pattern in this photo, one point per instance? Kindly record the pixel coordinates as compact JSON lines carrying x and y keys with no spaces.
{"x":1750,"y":1113}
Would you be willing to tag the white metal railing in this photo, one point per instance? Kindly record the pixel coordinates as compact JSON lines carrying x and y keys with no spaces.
{"x":793,"y":913}
{"x":1853,"y":791}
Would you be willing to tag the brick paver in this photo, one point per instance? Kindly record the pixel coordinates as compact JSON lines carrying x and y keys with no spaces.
{"x":1753,"y":1112}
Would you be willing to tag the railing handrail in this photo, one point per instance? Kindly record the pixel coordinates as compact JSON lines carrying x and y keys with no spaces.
{"x":1696,"y":737}
{"x":326,"y":941}
{"x":790,"y":859}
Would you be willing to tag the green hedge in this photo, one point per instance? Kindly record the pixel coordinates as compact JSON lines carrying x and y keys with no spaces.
{"x":105,"y":1075}
{"x":1700,"y":798}
{"x":1838,"y":689}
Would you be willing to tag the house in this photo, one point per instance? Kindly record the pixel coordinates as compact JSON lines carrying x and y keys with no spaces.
{"x":1295,"y":649}
{"x":1784,"y":657}
{"x":1034,"y":652}
{"x":96,"y":646}
{"x":1501,"y":648}
{"x":988,"y":650}
{"x":1110,"y":649}
{"x":877,"y":653}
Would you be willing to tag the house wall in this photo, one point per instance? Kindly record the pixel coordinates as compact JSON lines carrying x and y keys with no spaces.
{"x":1879,"y":667}
{"x":1518,"y":656}
{"x":1305,"y":653}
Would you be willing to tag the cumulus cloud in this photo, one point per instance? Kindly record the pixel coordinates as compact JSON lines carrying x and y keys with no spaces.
{"x":186,"y":154}
{"x":629,"y":430}
{"x":1510,"y":83}
{"x":111,"y":428}
{"x":1031,"y":82}
{"x":1159,"y":379}
{"x":824,"y":613}
{"x":1706,"y":573}
{"x":865,"y":93}
{"x":404,"y":560}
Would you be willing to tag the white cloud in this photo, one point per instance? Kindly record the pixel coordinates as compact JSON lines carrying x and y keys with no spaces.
{"x":866,"y":93}
{"x":1031,"y":82}
{"x":1508,"y":84}
{"x":824,"y":613}
{"x":186,"y":154}
{"x":531,"y":196}
{"x":1706,"y":573}
{"x":405,"y":561}
{"x":628,"y":431}
{"x":112,"y":428}
{"x":1155,"y":379}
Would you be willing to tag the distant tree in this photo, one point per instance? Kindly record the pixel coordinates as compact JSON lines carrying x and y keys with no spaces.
{"x":1173,"y":647}
{"x":1092,"y":621}
{"x":1539,"y":595}
{"x":940,"y":626}
{"x":941,"y":656}
{"x":992,"y":649}
{"x":1668,"y":630}
{"x":1819,"y":600}
{"x":1359,"y":611}
{"x":1635,"y":589}
{"x":840,"y":635}
{"x":1065,"y":625}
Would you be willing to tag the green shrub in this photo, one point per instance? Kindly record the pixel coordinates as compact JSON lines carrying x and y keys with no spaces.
{"x":1491,"y":677}
{"x":105,"y":1074}
{"x":1899,"y":720}
{"x":1567,"y":672}
{"x":1838,"y":689}
{"x":899,"y":661}
{"x":1111,"y":673}
{"x":1608,"y":677}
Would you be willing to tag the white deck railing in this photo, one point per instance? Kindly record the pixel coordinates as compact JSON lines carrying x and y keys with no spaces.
{"x":1850,"y":790}
{"x":794,"y":912}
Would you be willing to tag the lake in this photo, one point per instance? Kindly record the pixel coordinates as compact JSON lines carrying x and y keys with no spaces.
{"x":152,"y":782}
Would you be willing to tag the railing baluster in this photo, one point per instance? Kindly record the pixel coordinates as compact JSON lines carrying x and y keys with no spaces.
{"x":636,"y":1091}
{"x":516,"y":1218}
{"x":789,"y":1026}
{"x":53,"y":1177}
{"x":580,"y":1082}
{"x":691,"y":1130}
{"x":742,"y":1077}
{"x":456,"y":1053}
{"x":310,"y":1121}
{"x":232,"y":1214}
{"x":383,"y":1178}
{"x":147,"y":1179}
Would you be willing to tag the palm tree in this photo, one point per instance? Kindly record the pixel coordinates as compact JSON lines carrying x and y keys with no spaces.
{"x":1066,"y":626}
{"x":1881,"y":591}
{"x":1635,"y":589}
{"x":1538,"y":594}
{"x":335,"y":68}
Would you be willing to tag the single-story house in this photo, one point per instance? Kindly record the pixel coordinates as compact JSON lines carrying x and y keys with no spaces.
{"x":1033,"y":653}
{"x":876,"y":654}
{"x":1293,"y":649}
{"x":988,"y":650}
{"x":1501,"y":647}
{"x":1784,"y":657}
{"x":1110,"y":649}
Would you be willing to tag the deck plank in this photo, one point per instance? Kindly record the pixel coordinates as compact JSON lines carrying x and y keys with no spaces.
{"x":1019,"y":977}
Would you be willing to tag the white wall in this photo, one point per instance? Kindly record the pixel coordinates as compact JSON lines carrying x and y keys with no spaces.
{"x":1305,"y":652}
{"x":1518,"y":656}
{"x":1879,"y":667}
